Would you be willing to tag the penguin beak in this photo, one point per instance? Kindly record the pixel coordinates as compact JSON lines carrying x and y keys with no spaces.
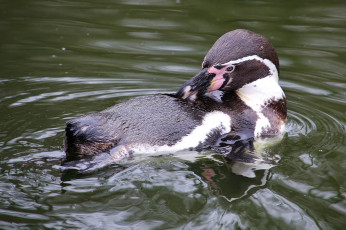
{"x":200,"y":84}
{"x":196,"y":86}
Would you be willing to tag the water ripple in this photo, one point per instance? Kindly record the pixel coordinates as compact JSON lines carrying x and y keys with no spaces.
{"x":149,"y":23}
{"x":299,"y":124}
{"x":83,"y":80}
{"x":35,"y":98}
{"x":304,"y":88}
{"x":80,"y":57}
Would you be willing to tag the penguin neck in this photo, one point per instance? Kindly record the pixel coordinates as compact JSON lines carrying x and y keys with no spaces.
{"x":260,"y":92}
{"x":255,"y":94}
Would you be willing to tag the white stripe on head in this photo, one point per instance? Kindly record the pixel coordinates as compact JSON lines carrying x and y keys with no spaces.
{"x":267,"y":62}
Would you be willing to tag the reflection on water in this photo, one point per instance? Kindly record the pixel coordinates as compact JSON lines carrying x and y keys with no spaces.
{"x":60,"y":60}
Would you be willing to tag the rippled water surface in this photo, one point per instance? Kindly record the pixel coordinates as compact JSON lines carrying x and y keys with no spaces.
{"x":62,"y":59}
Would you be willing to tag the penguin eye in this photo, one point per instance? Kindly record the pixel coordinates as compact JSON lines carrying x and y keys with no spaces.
{"x":230,"y":68}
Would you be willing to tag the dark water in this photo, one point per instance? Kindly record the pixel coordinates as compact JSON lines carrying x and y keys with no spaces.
{"x":62,"y":59}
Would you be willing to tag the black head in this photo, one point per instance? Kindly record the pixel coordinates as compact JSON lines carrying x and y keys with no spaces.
{"x":236,"y":58}
{"x":238,"y":44}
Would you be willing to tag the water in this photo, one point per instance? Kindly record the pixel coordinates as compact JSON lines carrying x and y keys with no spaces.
{"x":62,"y":59}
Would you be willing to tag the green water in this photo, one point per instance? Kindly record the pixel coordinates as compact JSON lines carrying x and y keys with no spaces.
{"x":62,"y":59}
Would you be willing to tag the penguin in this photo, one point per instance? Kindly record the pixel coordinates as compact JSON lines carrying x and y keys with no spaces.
{"x":235,"y":96}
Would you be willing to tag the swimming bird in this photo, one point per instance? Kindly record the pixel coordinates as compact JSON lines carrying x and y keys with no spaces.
{"x":236,"y":95}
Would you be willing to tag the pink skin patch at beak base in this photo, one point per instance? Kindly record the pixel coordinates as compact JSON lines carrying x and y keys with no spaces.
{"x":218,"y":80}
{"x":216,"y":83}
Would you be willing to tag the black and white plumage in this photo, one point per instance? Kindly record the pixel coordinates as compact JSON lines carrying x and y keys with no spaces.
{"x":236,"y":94}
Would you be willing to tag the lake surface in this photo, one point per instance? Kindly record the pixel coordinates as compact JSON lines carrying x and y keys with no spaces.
{"x":62,"y":59}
